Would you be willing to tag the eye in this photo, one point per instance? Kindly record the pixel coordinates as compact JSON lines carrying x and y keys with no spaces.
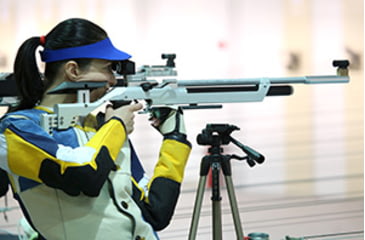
{"x":116,"y":67}
{"x":124,"y":67}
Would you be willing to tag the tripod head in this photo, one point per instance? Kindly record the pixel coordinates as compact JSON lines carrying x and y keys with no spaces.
{"x":216,"y":135}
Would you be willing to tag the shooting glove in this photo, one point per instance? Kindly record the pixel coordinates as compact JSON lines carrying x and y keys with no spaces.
{"x":169,"y":121}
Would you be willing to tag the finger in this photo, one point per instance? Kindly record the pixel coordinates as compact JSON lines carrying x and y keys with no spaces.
{"x":109,"y":108}
{"x":108,"y":111}
{"x":155,"y":122}
{"x":136,"y":107}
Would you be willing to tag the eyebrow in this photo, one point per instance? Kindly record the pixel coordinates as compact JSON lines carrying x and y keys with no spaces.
{"x":104,"y":64}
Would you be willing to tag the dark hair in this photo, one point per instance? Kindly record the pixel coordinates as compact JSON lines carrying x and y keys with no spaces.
{"x":69,"y":33}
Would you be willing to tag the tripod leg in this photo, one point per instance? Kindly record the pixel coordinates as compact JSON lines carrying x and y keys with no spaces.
{"x":197,"y":208}
{"x":217,"y":221}
{"x":234,"y":208}
{"x":216,"y":202}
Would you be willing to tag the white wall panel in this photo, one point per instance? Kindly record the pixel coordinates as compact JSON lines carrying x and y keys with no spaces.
{"x":328,"y":102}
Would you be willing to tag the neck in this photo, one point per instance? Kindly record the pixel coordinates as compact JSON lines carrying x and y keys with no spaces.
{"x":49,"y":100}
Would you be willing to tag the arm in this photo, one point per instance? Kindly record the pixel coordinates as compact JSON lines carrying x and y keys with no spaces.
{"x":34,"y":154}
{"x":164,"y":187}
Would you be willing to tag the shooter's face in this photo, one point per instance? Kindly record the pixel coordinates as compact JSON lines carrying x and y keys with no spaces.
{"x":99,"y":71}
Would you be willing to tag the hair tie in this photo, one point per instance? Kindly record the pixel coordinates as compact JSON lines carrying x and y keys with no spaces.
{"x":42,"y":40}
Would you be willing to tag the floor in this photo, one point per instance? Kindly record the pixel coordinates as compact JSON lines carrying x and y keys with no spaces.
{"x":330,"y":215}
{"x":333,"y":214}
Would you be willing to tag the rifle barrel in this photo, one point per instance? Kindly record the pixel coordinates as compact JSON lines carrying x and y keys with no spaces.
{"x":255,"y":81}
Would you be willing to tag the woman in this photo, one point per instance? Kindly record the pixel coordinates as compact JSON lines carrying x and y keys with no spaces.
{"x":85,"y":182}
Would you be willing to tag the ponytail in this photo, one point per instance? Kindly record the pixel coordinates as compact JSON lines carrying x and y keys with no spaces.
{"x":29,"y":83}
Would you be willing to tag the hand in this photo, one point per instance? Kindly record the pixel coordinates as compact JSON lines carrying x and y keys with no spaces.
{"x":168,"y":120}
{"x":125,"y":113}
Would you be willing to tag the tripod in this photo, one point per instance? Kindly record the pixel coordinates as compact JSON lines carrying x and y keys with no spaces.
{"x":215,"y":135}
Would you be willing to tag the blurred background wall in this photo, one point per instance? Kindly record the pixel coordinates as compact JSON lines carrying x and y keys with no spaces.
{"x":317,"y":133}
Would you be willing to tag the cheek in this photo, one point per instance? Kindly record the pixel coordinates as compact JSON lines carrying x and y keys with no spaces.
{"x":97,"y":76}
{"x":97,"y":93}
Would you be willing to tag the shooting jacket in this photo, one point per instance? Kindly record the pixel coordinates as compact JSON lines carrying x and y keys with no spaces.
{"x":82,"y":183}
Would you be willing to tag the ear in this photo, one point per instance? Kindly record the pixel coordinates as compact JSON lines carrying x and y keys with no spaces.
{"x":72,"y":71}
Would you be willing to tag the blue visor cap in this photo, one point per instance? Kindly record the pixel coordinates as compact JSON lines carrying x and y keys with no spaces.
{"x":103,"y":49}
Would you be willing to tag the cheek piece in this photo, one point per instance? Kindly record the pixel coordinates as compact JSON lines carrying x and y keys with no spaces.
{"x":103,"y":49}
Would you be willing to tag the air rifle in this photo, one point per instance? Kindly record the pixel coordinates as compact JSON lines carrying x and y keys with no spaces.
{"x":188,"y":94}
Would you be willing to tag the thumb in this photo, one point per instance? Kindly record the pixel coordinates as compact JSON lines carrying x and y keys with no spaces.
{"x":108,"y":112}
{"x":136,"y":107}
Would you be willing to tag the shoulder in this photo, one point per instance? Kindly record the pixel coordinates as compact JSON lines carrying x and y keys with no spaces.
{"x":21,"y":119}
